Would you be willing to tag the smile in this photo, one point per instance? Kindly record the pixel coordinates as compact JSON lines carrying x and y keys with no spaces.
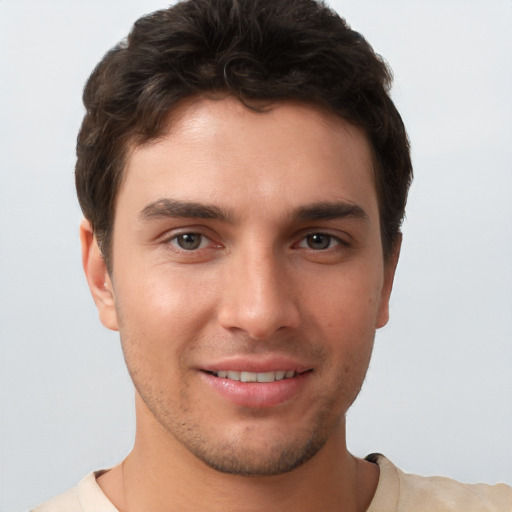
{"x":257,"y":389}
{"x":243,"y":376}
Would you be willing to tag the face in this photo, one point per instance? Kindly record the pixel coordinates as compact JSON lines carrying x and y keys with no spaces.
{"x":247,"y":281}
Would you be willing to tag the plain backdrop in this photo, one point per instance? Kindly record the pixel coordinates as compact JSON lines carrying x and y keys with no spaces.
{"x":438,"y":396}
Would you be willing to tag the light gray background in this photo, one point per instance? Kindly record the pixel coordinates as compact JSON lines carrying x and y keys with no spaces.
{"x":438,"y":397}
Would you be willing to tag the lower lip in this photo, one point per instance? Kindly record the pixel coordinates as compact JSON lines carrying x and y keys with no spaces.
{"x":258,"y":395}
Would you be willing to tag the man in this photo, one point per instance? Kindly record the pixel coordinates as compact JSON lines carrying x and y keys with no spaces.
{"x":243,"y":174}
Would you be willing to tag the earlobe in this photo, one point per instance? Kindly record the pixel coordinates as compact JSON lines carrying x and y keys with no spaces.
{"x":389,"y":277}
{"x":97,"y":276}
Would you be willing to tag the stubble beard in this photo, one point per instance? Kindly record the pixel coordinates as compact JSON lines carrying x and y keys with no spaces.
{"x":253,"y":456}
{"x":261,"y":458}
{"x":245,"y":454}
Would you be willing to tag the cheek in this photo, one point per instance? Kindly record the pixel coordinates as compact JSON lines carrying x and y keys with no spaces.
{"x":159,"y":296}
{"x":346,"y":315}
{"x":350,"y":299}
{"x":162,"y":316}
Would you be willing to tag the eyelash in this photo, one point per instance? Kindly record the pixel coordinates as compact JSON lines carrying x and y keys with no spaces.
{"x":175,"y":241}
{"x":331,"y":238}
{"x":176,"y":238}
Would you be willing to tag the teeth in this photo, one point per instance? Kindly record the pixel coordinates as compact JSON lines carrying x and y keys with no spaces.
{"x":248,"y":376}
{"x":266,"y":377}
{"x":255,"y":377}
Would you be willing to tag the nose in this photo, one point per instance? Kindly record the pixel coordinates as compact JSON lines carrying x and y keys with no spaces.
{"x":259,"y":296}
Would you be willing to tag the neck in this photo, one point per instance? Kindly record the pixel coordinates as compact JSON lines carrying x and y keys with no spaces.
{"x":161,"y":475}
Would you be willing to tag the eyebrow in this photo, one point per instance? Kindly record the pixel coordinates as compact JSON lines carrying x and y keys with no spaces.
{"x":329,"y":211}
{"x":173,"y":208}
{"x":165,"y":208}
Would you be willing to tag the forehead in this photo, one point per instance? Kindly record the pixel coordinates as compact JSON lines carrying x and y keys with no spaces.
{"x":218,"y":150}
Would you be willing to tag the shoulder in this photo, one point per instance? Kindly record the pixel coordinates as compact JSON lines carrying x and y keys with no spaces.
{"x":400,"y":491}
{"x":87,"y":496}
{"x":65,"y":502}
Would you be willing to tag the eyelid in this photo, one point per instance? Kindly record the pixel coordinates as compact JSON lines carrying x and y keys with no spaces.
{"x":334,"y":243}
{"x":204,"y":240}
{"x":343,"y":239}
{"x":174,"y":233}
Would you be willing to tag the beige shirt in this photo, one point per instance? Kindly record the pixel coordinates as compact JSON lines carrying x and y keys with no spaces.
{"x":396,"y":492}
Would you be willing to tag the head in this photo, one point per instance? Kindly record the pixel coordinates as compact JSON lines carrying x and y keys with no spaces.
{"x":244,"y":174}
{"x":259,"y":51}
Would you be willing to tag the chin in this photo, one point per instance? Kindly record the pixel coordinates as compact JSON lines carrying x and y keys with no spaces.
{"x":258,"y":448}
{"x":271,"y":460}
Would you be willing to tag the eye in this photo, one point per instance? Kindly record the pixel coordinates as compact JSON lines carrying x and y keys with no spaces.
{"x":190,"y":241}
{"x":319,"y":241}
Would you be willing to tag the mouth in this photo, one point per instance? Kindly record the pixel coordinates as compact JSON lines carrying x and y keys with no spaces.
{"x":262,"y":377}
{"x":257,"y":385}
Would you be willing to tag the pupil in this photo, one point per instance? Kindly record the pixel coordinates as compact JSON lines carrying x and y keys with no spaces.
{"x":319,"y":241}
{"x":189,"y":241}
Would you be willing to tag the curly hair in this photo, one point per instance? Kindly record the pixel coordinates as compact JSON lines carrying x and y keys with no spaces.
{"x":256,"y":50}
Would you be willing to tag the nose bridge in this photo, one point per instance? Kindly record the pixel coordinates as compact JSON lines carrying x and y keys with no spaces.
{"x":258,"y":297}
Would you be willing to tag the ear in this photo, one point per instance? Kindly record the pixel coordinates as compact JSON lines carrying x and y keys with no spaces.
{"x":97,"y":276}
{"x":389,"y":276}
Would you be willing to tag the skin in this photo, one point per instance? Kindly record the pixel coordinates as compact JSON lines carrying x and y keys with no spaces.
{"x":270,"y":283}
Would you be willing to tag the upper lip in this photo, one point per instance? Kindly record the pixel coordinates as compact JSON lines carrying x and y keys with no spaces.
{"x":256,"y":364}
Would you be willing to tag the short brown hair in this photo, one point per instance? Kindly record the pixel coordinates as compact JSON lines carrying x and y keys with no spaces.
{"x":267,"y":50}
